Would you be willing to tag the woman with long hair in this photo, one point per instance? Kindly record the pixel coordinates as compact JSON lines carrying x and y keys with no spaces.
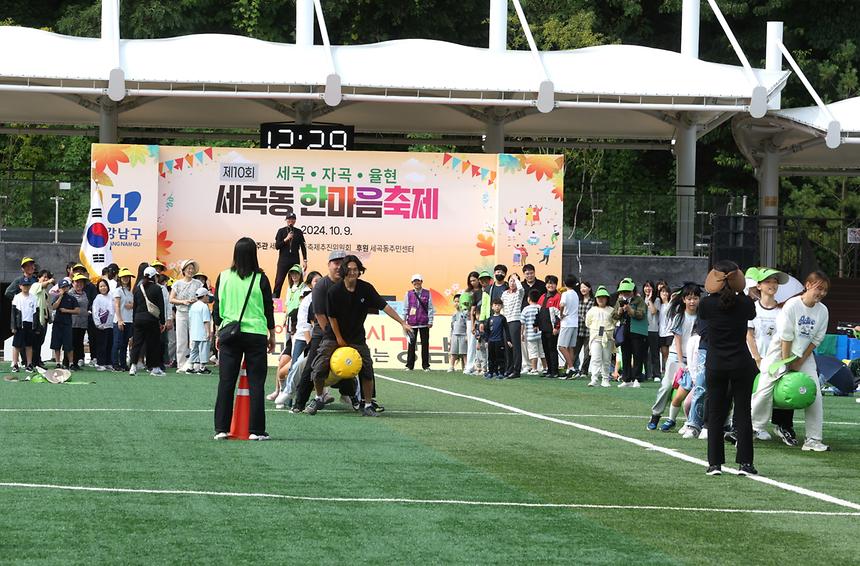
{"x":582,"y":340}
{"x":467,"y":299}
{"x":123,"y":319}
{"x":729,"y":366}
{"x":652,"y":307}
{"x":243,"y":295}
{"x":183,"y":294}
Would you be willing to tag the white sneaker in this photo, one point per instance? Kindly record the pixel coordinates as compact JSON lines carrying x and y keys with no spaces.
{"x":635,"y":384}
{"x":657,"y":380}
{"x":813,"y":445}
{"x":449,"y":370}
{"x":690,"y":433}
{"x":605,"y":382}
{"x":683,"y":429}
{"x":467,"y":372}
{"x":763,"y":435}
{"x":132,"y":370}
{"x":157,"y":372}
{"x":624,"y":384}
{"x":282,"y":397}
{"x":703,"y":434}
{"x":221,"y":436}
{"x":259,"y":437}
{"x":101,"y":368}
{"x":594,"y":382}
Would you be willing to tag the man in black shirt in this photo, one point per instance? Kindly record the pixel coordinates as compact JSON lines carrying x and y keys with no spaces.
{"x":348,"y":303}
{"x":289,"y":241}
{"x":530,"y":282}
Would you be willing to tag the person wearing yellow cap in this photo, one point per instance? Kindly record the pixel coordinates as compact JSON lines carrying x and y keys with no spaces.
{"x":123,"y":316}
{"x":28,"y":268}
{"x":80,"y":321}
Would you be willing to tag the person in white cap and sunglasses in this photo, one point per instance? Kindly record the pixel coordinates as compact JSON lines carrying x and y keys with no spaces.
{"x":418,"y":312}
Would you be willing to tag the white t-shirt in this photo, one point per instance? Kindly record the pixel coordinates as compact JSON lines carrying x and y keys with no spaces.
{"x":185,"y":290}
{"x":764,"y":326}
{"x":665,"y":328}
{"x":302,"y":324}
{"x":198,"y":314}
{"x":102,"y":310}
{"x":683,"y":327}
{"x":27,"y":306}
{"x":799,"y":324}
{"x":570,"y":307}
{"x":111,"y":285}
{"x":125,"y":296}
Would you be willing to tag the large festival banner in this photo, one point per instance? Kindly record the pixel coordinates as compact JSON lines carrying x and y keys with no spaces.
{"x":438,"y":214}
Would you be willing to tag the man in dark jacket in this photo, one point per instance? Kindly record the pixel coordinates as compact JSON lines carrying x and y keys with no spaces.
{"x":289,"y":241}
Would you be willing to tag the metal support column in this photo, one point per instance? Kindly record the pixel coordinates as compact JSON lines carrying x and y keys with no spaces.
{"x":768,"y":209}
{"x":304,"y":22}
{"x":690,"y":28}
{"x":498,"y":25}
{"x":494,"y":141}
{"x":773,"y":60}
{"x":685,"y":187}
{"x":108,"y":121}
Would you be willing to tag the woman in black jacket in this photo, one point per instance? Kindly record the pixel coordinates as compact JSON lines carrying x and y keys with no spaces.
{"x":147,"y":325}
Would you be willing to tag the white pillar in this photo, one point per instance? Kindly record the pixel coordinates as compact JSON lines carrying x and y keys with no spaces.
{"x":304,"y":22}
{"x":108,"y":120}
{"x":110,"y":21}
{"x":690,"y":28}
{"x":494,"y":141}
{"x":768,"y":205}
{"x":498,"y":25}
{"x":685,"y":187}
{"x":773,"y":60}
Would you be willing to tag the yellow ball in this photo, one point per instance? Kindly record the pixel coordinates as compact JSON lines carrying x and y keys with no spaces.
{"x":345,"y":362}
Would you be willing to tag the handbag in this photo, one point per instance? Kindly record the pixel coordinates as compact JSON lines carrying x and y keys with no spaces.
{"x":228,"y":333}
{"x":150,"y":306}
{"x":619,"y":335}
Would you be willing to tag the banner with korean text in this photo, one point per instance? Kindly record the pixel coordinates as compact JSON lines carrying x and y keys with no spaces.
{"x":438,"y":214}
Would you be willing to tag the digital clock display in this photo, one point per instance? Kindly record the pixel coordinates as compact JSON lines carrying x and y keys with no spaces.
{"x":285,"y":135}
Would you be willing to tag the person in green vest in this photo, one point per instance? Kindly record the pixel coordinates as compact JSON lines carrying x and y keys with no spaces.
{"x":630,"y":313}
{"x":243,"y":294}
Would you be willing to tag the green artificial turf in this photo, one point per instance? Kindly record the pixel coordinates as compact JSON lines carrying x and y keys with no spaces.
{"x":156,"y":433}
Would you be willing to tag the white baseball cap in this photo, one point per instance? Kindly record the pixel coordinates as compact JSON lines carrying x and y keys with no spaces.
{"x":203,"y":292}
{"x":417,"y":277}
{"x":150,"y":272}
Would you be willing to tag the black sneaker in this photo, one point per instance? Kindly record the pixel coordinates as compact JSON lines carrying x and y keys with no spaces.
{"x":74,"y":367}
{"x":747,"y":470}
{"x":28,"y":368}
{"x":314,"y":406}
{"x":714,"y":471}
{"x":15,"y":369}
{"x":204,"y":371}
{"x":58,"y":366}
{"x":786,"y":435}
{"x":377,"y":406}
{"x":369,"y":411}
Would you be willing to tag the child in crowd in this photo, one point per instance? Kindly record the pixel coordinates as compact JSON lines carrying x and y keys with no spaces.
{"x":800,"y":328}
{"x":548,"y":321}
{"x":200,"y":331}
{"x":665,"y":329}
{"x":600,"y":326}
{"x":102,"y":313}
{"x":697,"y":353}
{"x":64,"y":306}
{"x":81,"y":319}
{"x":23,"y":309}
{"x":459,"y":346}
{"x":531,"y":333}
{"x":683,"y":314}
{"x":498,"y":336}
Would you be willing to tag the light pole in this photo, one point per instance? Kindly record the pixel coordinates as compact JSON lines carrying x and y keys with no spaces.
{"x":3,"y":199}
{"x":57,"y":218}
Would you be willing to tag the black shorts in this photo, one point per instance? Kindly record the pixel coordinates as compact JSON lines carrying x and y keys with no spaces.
{"x":23,"y":336}
{"x":61,"y":338}
{"x":666,"y":341}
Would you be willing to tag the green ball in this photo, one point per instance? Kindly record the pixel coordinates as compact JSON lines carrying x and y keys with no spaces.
{"x":794,"y":390}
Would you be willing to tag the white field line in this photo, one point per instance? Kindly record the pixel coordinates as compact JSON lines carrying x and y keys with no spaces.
{"x":453,"y":413}
{"x":641,"y":443}
{"x":408,"y":501}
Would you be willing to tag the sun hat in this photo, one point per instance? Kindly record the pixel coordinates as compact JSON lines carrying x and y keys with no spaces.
{"x":27,"y":260}
{"x":759,"y":274}
{"x":156,"y":263}
{"x":626,"y":285}
{"x":125,"y":272}
{"x":601,"y":292}
{"x":79,"y":266}
{"x":483,"y":274}
{"x":188,"y":262}
{"x":80,"y":277}
{"x":417,"y":277}
{"x":715,"y":281}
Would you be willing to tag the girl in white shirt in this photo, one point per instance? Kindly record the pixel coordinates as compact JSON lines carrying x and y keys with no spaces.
{"x":102,"y":313}
{"x":800,"y":328}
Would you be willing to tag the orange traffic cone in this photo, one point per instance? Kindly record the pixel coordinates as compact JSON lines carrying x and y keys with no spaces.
{"x":241,"y":409}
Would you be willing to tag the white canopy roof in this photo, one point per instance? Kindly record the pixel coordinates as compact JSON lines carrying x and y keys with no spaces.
{"x":798,"y":135}
{"x":221,"y":81}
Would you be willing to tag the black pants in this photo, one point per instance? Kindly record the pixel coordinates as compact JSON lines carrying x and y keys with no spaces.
{"x":78,"y":345}
{"x":632,"y":355}
{"x":514,"y":355}
{"x":779,"y":417}
{"x":103,"y":346}
{"x":284,"y":265}
{"x":550,"y":350}
{"x":38,"y":340}
{"x":652,"y":365}
{"x":253,"y":348}
{"x":146,"y":332}
{"x":424,"y":334}
{"x":495,"y":357}
{"x":582,"y":341}
{"x":722,"y":387}
{"x":306,"y":384}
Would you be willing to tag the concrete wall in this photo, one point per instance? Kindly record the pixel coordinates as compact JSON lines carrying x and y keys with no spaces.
{"x":609,"y":269}
{"x":47,"y":256}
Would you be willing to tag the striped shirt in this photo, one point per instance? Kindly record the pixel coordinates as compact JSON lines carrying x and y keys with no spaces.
{"x":584,"y":306}
{"x":512,"y":303}
{"x":529,"y":315}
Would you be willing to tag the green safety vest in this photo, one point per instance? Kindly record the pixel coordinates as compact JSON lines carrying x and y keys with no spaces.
{"x":231,"y":296}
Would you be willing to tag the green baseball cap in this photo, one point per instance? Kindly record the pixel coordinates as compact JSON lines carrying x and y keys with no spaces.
{"x":601,"y":292}
{"x":626,"y":285}
{"x":484,"y":274}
